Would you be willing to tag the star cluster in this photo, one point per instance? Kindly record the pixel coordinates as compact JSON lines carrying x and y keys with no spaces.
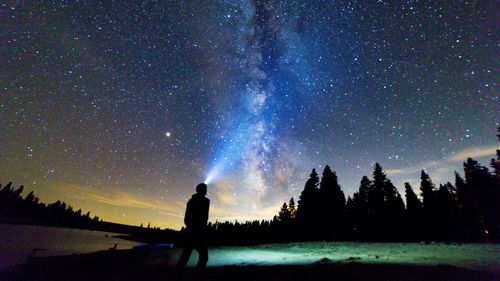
{"x":122,"y":108}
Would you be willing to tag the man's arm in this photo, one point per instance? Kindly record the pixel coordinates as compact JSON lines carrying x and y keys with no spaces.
{"x":206,"y":211}
{"x":188,"y":215}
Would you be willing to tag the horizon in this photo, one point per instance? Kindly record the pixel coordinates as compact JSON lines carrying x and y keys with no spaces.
{"x":274,"y":210}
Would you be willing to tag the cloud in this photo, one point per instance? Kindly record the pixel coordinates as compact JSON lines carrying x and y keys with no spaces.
{"x":118,"y":199}
{"x":442,"y":165}
{"x":413,"y":169}
{"x":224,"y":192}
{"x":474,"y":152}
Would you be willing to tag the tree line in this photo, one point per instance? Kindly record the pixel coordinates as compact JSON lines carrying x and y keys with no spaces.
{"x":29,"y":210}
{"x":467,"y":210}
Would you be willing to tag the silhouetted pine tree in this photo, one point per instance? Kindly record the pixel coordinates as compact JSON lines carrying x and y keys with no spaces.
{"x":331,"y":203}
{"x":306,"y":210}
{"x":413,"y":204}
{"x":284,"y":215}
{"x":486,"y":196}
{"x":375,"y":205}
{"x":17,"y":193}
{"x":427,"y":190}
{"x":495,"y":190}
{"x":495,"y":165}
{"x":469,"y":229}
{"x":6,"y":189}
{"x":388,"y":207}
{"x":413,"y":213}
{"x":292,"y":209}
{"x":394,"y":209}
{"x":358,"y":209}
{"x":350,"y":219}
{"x":445,"y":213}
{"x":376,"y":195}
{"x":364,"y":188}
{"x":30,"y":198}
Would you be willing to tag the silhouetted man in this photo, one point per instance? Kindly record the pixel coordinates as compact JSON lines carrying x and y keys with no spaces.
{"x":196,"y":218}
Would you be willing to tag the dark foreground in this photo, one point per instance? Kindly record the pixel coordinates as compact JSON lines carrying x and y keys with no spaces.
{"x":157,"y":265}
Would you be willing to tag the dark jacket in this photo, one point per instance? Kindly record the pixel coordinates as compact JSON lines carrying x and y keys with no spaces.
{"x":196,"y":217}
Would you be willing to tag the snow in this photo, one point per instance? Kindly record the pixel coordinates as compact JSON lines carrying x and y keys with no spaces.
{"x":473,"y":256}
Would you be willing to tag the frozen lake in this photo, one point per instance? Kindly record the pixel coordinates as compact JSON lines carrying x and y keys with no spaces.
{"x":18,"y":241}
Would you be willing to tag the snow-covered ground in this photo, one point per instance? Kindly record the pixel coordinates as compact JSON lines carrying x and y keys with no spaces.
{"x":484,"y":257}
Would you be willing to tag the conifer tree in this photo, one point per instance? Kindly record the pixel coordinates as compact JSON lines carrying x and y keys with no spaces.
{"x":351,"y":219}
{"x":308,"y":196}
{"x":364,"y":189}
{"x":17,"y":193}
{"x":30,"y":198}
{"x":358,"y":210}
{"x":445,"y":212}
{"x":388,"y":206}
{"x":377,"y":192}
{"x":331,"y":203}
{"x":284,"y":215}
{"x":306,"y":210}
{"x":486,"y":197}
{"x":495,"y":165}
{"x":463,"y":194}
{"x":6,"y":190}
{"x":427,"y":190}
{"x":292,"y":209}
{"x":413,"y":204}
{"x":413,"y":213}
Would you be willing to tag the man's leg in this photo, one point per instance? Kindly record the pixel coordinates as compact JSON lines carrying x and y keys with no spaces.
{"x":186,"y":253}
{"x":202,"y":255}
{"x":202,"y":250}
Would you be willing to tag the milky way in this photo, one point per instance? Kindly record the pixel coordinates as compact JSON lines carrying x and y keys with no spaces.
{"x":122,"y":108}
{"x":250,"y":142}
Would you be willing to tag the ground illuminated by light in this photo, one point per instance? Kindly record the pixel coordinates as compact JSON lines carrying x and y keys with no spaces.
{"x":473,"y":256}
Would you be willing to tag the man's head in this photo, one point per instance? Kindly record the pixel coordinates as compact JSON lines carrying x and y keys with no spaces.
{"x":201,"y":189}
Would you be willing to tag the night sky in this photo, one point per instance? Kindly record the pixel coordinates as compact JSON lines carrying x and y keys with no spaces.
{"x":121,"y":108}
